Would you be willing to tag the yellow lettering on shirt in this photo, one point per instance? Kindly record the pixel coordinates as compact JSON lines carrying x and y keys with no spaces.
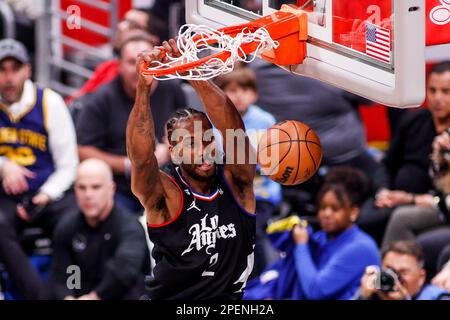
{"x":23,"y":156}
{"x":8,"y":135}
{"x":33,"y":139}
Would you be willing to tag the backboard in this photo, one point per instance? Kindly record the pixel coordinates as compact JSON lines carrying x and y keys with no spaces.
{"x":373,"y":48}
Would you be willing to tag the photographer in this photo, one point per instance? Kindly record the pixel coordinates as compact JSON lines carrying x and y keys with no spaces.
{"x":402,"y":276}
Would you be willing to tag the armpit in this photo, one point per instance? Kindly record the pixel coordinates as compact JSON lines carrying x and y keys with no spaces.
{"x":161,"y":209}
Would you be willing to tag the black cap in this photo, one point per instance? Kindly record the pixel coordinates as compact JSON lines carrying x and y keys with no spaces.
{"x":10,"y":48}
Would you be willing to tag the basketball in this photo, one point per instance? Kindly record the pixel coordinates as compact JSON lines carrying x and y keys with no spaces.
{"x":289,"y":152}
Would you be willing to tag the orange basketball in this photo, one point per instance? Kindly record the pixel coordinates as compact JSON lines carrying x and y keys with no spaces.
{"x":289,"y":152}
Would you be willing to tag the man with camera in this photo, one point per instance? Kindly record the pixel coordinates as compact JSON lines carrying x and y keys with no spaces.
{"x":38,"y":161}
{"x":402,"y":276}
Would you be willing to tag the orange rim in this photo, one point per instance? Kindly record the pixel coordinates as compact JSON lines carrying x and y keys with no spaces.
{"x":232,"y":31}
{"x":289,"y":26}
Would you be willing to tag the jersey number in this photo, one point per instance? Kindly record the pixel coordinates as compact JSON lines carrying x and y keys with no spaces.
{"x":212,"y":261}
{"x":23,"y":156}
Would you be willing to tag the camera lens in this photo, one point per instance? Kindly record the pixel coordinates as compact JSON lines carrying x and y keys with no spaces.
{"x":387,"y":280}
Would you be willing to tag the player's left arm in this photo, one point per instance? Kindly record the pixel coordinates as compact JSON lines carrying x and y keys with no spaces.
{"x":240,"y":155}
{"x":240,"y":164}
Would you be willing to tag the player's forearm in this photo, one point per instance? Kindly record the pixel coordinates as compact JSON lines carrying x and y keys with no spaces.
{"x":116,"y":162}
{"x":218,"y":106}
{"x":224,"y":116}
{"x":140,"y":129}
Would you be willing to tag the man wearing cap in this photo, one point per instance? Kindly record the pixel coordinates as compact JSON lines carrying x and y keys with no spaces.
{"x":38,"y":161}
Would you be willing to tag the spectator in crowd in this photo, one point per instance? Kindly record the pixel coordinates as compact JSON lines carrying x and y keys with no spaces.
{"x":328,"y":264}
{"x":442,"y":279}
{"x":38,"y":160}
{"x":404,"y":260}
{"x":160,"y":18}
{"x":240,"y":86}
{"x":102,"y":120}
{"x":134,"y":19}
{"x":428,"y":219}
{"x":433,"y":243}
{"x":405,"y":168}
{"x":103,"y":241}
{"x":135,"y":22}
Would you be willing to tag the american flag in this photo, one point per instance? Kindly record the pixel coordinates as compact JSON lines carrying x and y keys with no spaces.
{"x":378,"y":42}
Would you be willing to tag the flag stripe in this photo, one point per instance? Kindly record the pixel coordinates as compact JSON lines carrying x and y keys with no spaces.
{"x":378,"y":56}
{"x":383,"y":52}
{"x":379,"y":46}
{"x":384,"y":32}
{"x":378,"y":42}
{"x":381,"y":37}
{"x":384,"y":43}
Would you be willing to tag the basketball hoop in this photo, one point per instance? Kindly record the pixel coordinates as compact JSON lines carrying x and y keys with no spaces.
{"x":279,"y":38}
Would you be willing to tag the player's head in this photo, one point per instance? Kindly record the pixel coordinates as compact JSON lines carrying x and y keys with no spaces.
{"x":94,"y":189}
{"x":192,"y":143}
{"x":340,"y":198}
{"x":438,"y":90}
{"x":240,"y":86}
{"x":15,"y":68}
{"x":136,"y":42}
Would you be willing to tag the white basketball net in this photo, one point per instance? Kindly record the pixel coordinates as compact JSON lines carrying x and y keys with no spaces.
{"x":190,"y":49}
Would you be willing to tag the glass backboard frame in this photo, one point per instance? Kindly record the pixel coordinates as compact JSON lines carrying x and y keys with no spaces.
{"x":400,"y":83}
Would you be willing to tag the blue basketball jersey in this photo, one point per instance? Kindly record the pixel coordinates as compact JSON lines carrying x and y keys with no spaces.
{"x":24,"y":140}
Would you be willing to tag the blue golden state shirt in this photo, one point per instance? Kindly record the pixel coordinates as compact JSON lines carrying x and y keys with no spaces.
{"x":24,"y":140}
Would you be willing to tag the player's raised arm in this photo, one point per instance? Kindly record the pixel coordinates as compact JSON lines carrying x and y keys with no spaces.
{"x":224,"y":116}
{"x":240,"y":165}
{"x":152,"y":187}
{"x":227,"y":120}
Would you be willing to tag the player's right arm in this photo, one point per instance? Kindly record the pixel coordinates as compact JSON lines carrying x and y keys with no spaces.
{"x":154,"y":189}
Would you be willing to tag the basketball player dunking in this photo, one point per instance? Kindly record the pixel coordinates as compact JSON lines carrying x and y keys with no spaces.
{"x":200,"y":217}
